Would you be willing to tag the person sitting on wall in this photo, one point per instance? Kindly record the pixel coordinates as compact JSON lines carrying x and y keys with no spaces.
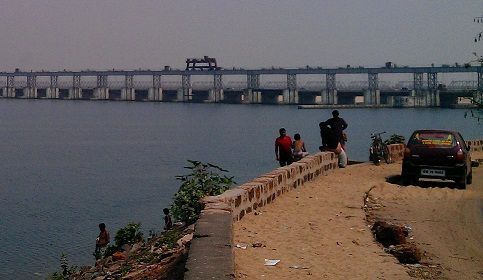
{"x":330,"y":143}
{"x":299,"y":150}
{"x":283,"y":148}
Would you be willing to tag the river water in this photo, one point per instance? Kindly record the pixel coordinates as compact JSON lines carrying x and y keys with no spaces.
{"x":66,"y":166}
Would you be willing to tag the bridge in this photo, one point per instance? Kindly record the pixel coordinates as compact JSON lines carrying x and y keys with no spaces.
{"x":311,"y":86}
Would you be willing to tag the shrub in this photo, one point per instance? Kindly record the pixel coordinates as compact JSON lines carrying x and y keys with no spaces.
{"x":395,"y":139}
{"x":203,"y":180}
{"x":129,"y":234}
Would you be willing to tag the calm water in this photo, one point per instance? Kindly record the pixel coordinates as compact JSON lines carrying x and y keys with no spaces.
{"x":68,"y":165}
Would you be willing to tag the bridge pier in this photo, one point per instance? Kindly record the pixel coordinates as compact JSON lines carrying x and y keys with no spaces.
{"x":329,"y":97}
{"x":75,"y":93}
{"x":252,"y":96}
{"x":290,"y":96}
{"x":8,"y":92}
{"x":184,"y":95}
{"x":128,"y":94}
{"x":101,"y":93}
{"x":30,"y":92}
{"x":155,"y":94}
{"x":215,"y":95}
{"x":426,"y":98}
{"x":52,"y":93}
{"x":372,"y":97}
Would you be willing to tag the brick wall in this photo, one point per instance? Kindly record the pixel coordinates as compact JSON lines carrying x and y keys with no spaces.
{"x":397,"y":151}
{"x":267,"y":187}
{"x":476,"y":145}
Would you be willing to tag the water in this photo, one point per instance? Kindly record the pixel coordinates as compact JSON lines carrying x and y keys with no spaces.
{"x":68,"y":165}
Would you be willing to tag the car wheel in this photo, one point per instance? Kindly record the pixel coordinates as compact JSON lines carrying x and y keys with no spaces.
{"x":406,"y":180}
{"x":461,"y":184}
{"x":469,"y":178}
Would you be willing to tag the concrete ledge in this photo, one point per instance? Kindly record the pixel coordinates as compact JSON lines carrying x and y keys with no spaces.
{"x":210,"y":254}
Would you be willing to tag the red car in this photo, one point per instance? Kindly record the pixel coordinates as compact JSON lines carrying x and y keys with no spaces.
{"x":438,"y":154}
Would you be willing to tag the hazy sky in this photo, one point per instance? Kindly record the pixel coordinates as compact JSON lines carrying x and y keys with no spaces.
{"x":121,"y":34}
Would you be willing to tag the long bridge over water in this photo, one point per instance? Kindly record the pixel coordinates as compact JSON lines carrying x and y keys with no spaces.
{"x":321,"y":86}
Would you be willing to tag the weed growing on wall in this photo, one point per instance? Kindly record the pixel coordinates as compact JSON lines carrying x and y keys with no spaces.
{"x":66,"y":270}
{"x":204,"y":180}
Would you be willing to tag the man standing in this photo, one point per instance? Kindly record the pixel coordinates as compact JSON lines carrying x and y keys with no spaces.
{"x":337,"y":125}
{"x":283,"y":148}
{"x":102,"y":241}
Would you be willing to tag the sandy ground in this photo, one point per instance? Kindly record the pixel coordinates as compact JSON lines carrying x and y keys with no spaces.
{"x":319,"y":231}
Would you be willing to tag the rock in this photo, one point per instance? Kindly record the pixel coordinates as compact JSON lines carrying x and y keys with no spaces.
{"x":136,"y":274}
{"x":136,"y":247}
{"x":184,"y":240}
{"x":406,"y":253}
{"x":115,"y":267}
{"x":126,"y":248}
{"x":119,"y":256}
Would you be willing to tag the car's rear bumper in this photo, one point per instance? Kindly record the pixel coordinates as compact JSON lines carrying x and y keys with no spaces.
{"x":456,"y":172}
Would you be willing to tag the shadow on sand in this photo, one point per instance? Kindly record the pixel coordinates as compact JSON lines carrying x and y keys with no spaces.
{"x":423,"y":183}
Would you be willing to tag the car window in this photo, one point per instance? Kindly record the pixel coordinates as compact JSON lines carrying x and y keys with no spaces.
{"x":463,"y":142}
{"x":433,"y":139}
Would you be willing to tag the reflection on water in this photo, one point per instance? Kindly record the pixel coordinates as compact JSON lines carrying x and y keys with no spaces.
{"x":69,"y":165}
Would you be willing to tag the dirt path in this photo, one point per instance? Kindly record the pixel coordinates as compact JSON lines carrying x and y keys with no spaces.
{"x":319,"y":231}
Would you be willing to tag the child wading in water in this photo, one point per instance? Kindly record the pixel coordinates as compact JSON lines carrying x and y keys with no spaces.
{"x":298,"y":146}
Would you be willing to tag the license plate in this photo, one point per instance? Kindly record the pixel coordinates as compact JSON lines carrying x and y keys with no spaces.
{"x":433,"y":172}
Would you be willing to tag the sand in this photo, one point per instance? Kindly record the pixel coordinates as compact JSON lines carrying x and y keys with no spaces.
{"x":320,"y":231}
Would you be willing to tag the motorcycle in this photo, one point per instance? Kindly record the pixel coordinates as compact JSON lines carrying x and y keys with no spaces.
{"x":379,"y":150}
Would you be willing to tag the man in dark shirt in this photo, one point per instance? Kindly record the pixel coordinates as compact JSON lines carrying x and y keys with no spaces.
{"x":329,"y":140}
{"x":337,"y":125}
{"x":283,"y":148}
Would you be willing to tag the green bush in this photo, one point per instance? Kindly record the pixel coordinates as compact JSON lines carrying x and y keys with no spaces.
{"x":203,"y":180}
{"x":129,"y":234}
{"x":395,"y":139}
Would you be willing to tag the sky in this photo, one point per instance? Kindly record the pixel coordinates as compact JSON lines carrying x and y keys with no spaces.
{"x":251,"y":34}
